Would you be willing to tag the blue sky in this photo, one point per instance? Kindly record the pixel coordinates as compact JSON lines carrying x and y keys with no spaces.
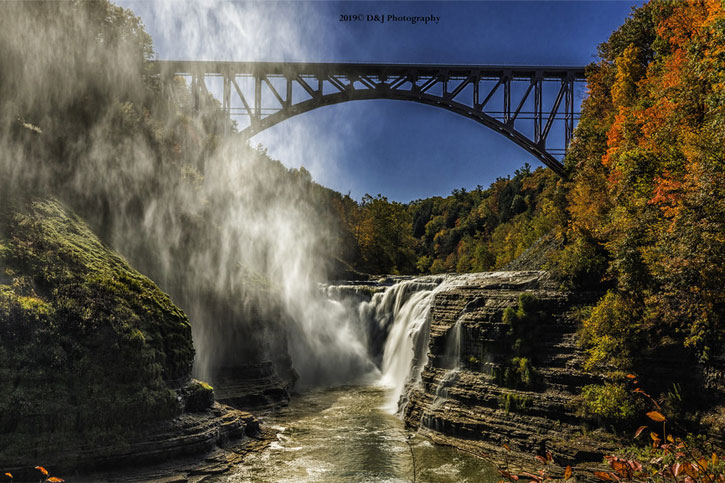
{"x":402,"y":150}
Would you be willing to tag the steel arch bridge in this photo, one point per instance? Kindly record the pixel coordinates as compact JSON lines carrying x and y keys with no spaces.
{"x":502,"y":98}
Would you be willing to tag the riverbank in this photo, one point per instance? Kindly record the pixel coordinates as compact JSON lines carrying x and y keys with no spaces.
{"x":203,"y":445}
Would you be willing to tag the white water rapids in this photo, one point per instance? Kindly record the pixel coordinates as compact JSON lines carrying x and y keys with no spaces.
{"x":398,"y":316}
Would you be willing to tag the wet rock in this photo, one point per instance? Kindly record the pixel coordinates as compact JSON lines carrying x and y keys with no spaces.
{"x":480,"y":413}
{"x":188,"y":435}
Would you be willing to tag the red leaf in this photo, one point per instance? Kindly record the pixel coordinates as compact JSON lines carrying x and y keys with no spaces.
{"x":508,"y":475}
{"x":533,"y":477}
{"x":639,"y":431}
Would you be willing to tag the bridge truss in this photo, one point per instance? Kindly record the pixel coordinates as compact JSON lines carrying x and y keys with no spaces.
{"x":522,"y":103}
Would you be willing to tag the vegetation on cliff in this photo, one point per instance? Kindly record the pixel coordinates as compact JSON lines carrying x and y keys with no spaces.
{"x":468,"y":231}
{"x":89,"y":347}
{"x":648,"y":197}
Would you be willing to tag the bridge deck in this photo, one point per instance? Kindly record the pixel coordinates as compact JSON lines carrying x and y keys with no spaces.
{"x":342,"y":68}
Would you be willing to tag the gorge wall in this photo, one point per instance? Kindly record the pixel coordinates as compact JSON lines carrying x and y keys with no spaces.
{"x":494,"y":366}
{"x":468,"y":404}
{"x":96,"y":360}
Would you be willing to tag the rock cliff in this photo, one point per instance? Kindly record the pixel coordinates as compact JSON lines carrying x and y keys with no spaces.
{"x":489,"y":397}
{"x":95,"y":360}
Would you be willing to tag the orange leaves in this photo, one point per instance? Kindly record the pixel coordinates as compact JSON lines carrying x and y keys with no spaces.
{"x":567,"y":472}
{"x":667,"y":192}
{"x":689,"y":469}
{"x":603,"y":476}
{"x":684,"y":24}
{"x":639,"y":431}
{"x":656,"y":416}
{"x":615,"y":137}
{"x":48,"y":478}
{"x":623,"y":468}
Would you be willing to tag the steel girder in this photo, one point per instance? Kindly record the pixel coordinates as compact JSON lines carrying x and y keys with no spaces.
{"x":467,"y":90}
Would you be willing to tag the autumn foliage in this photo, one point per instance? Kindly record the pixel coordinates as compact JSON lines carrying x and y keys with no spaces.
{"x":648,"y":186}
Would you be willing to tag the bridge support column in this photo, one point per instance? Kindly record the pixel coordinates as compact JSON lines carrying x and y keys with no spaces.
{"x":538,"y":78}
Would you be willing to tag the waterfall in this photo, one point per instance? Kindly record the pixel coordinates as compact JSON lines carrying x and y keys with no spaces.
{"x":400,"y":315}
{"x":409,"y":318}
{"x":452,"y":359}
{"x":397,"y":327}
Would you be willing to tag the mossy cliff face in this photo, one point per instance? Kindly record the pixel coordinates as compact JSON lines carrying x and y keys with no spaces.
{"x":89,"y":348}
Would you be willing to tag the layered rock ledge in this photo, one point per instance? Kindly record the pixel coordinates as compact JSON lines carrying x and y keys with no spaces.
{"x":198,"y":434}
{"x":468,"y":405}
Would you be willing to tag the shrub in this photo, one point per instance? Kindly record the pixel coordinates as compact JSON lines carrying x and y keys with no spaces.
{"x":509,"y":401}
{"x":611,"y":332}
{"x":519,"y":373}
{"x":608,"y":401}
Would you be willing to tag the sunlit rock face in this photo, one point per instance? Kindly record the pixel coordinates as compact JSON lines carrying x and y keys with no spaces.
{"x":464,"y":373}
{"x":481,"y":406}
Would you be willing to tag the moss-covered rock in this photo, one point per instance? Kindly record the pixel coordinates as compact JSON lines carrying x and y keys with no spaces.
{"x":89,"y":348}
{"x":198,"y":396}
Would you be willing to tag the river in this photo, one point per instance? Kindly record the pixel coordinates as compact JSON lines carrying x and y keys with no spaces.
{"x":345,"y":435}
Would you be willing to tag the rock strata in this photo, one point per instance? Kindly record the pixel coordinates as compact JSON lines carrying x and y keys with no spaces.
{"x":255,"y":386}
{"x":465,"y":403}
{"x":190,"y":434}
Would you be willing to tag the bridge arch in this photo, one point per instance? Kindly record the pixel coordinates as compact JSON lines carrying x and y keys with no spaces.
{"x":460,"y":92}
